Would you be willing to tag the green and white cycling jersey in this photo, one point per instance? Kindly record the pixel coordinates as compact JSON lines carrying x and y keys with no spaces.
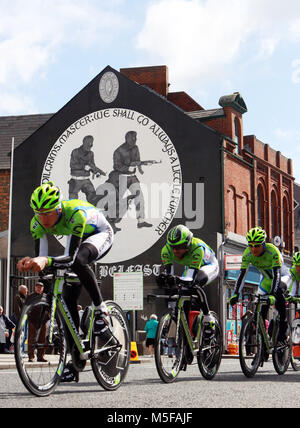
{"x":294,"y":281}
{"x":80,"y":221}
{"x":198,"y":256}
{"x":269,"y":264}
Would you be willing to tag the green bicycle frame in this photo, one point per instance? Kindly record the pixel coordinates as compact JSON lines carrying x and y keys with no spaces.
{"x":193,"y":344}
{"x":59,"y":301}
{"x":260,"y":321}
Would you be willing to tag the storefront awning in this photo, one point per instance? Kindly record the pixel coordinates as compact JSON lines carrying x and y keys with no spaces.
{"x":253,"y":276}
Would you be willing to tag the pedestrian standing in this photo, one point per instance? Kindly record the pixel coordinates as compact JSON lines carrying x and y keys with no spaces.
{"x":151,"y":329}
{"x":35,"y":326}
{"x":5,"y":325}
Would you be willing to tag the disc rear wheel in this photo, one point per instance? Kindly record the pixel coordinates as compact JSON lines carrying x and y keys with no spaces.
{"x":110,"y":367}
{"x":210,"y":353}
{"x":282,"y":353}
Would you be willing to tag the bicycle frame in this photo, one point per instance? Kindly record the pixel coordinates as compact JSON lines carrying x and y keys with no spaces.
{"x":193,"y":344}
{"x":260,"y":322}
{"x":58,"y":302}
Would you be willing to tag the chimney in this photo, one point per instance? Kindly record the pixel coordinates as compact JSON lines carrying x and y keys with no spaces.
{"x":156,"y":77}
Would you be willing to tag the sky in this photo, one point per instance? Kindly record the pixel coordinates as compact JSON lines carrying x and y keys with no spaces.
{"x":51,"y":49}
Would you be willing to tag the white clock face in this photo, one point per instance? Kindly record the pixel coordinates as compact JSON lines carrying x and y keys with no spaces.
{"x":109,"y":87}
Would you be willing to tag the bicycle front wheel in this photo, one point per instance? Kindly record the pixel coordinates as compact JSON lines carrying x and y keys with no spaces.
{"x":168,"y":349}
{"x":110,"y":367}
{"x":282,"y":353}
{"x":250,"y":348}
{"x":39,"y":376}
{"x":210,"y":353}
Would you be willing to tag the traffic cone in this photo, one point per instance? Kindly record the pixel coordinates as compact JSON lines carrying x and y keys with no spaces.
{"x":134,"y":356}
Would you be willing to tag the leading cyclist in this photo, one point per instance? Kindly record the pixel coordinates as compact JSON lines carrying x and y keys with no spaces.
{"x":90,"y":237}
{"x":201,"y":264}
{"x":269,"y":262}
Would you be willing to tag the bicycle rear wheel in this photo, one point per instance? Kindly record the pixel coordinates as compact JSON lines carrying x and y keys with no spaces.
{"x":110,"y":367}
{"x":210,"y":353}
{"x":40,"y":378}
{"x":282,"y":353}
{"x":250,"y":348}
{"x":295,"y":363}
{"x":168,"y":352}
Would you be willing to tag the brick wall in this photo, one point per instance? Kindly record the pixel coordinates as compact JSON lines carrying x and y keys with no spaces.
{"x":4,"y":198}
{"x":271,"y":172}
{"x":238,"y":195}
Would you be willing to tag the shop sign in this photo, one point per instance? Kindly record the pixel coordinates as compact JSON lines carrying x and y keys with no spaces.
{"x":232,"y":261}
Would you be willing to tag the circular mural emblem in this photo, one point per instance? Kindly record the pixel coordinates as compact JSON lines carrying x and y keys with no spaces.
{"x":126,"y":165}
{"x":109,"y":87}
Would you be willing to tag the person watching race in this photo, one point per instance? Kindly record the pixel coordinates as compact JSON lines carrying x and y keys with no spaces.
{"x":269,"y":262}
{"x":90,"y":237}
{"x":201,"y":265}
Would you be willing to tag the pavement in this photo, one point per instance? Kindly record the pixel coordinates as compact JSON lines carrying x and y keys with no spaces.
{"x":7,"y":361}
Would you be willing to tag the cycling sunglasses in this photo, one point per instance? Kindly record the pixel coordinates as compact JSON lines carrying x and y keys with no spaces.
{"x":46,"y":213}
{"x":179,"y":247}
{"x":254,"y":245}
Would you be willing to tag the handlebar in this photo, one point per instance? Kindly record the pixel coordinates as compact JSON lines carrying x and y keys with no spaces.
{"x":169,"y":281}
{"x":256,"y":298}
{"x":24,"y":277}
{"x":168,"y":297}
{"x":58,"y":272}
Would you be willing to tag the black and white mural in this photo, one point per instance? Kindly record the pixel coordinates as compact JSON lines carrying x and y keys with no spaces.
{"x":122,"y":162}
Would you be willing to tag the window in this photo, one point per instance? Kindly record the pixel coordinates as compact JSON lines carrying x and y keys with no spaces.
{"x":274,"y":215}
{"x":237,"y":138}
{"x":260,"y":207}
{"x":231,"y":219}
{"x":245,"y":224}
{"x":285,"y":222}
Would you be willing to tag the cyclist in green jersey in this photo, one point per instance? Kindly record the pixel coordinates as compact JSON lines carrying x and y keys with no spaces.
{"x":269,"y":262}
{"x":294,"y":276}
{"x":201,"y":264}
{"x":90,"y":237}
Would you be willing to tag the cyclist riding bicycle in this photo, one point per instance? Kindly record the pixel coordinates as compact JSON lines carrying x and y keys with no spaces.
{"x":269,"y":262}
{"x":201,"y":265}
{"x":294,"y":276}
{"x":90,"y":237}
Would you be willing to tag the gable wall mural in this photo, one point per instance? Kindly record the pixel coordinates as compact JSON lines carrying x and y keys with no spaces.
{"x":85,"y":150}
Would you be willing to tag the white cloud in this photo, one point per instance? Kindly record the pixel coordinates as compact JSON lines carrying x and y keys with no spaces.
{"x":200,"y":40}
{"x":287,"y":135}
{"x":296,"y":70}
{"x":14,"y":103}
{"x":33,"y":34}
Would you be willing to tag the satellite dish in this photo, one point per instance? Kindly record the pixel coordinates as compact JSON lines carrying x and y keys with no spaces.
{"x":277,"y":241}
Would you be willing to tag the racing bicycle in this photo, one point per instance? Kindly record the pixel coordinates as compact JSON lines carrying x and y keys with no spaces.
{"x":255,"y":345}
{"x":178,"y":340}
{"x":295,"y":328}
{"x":109,"y":363}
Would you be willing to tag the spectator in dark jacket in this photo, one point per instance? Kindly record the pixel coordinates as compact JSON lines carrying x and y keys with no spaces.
{"x":34,"y":324}
{"x":5,"y":325}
